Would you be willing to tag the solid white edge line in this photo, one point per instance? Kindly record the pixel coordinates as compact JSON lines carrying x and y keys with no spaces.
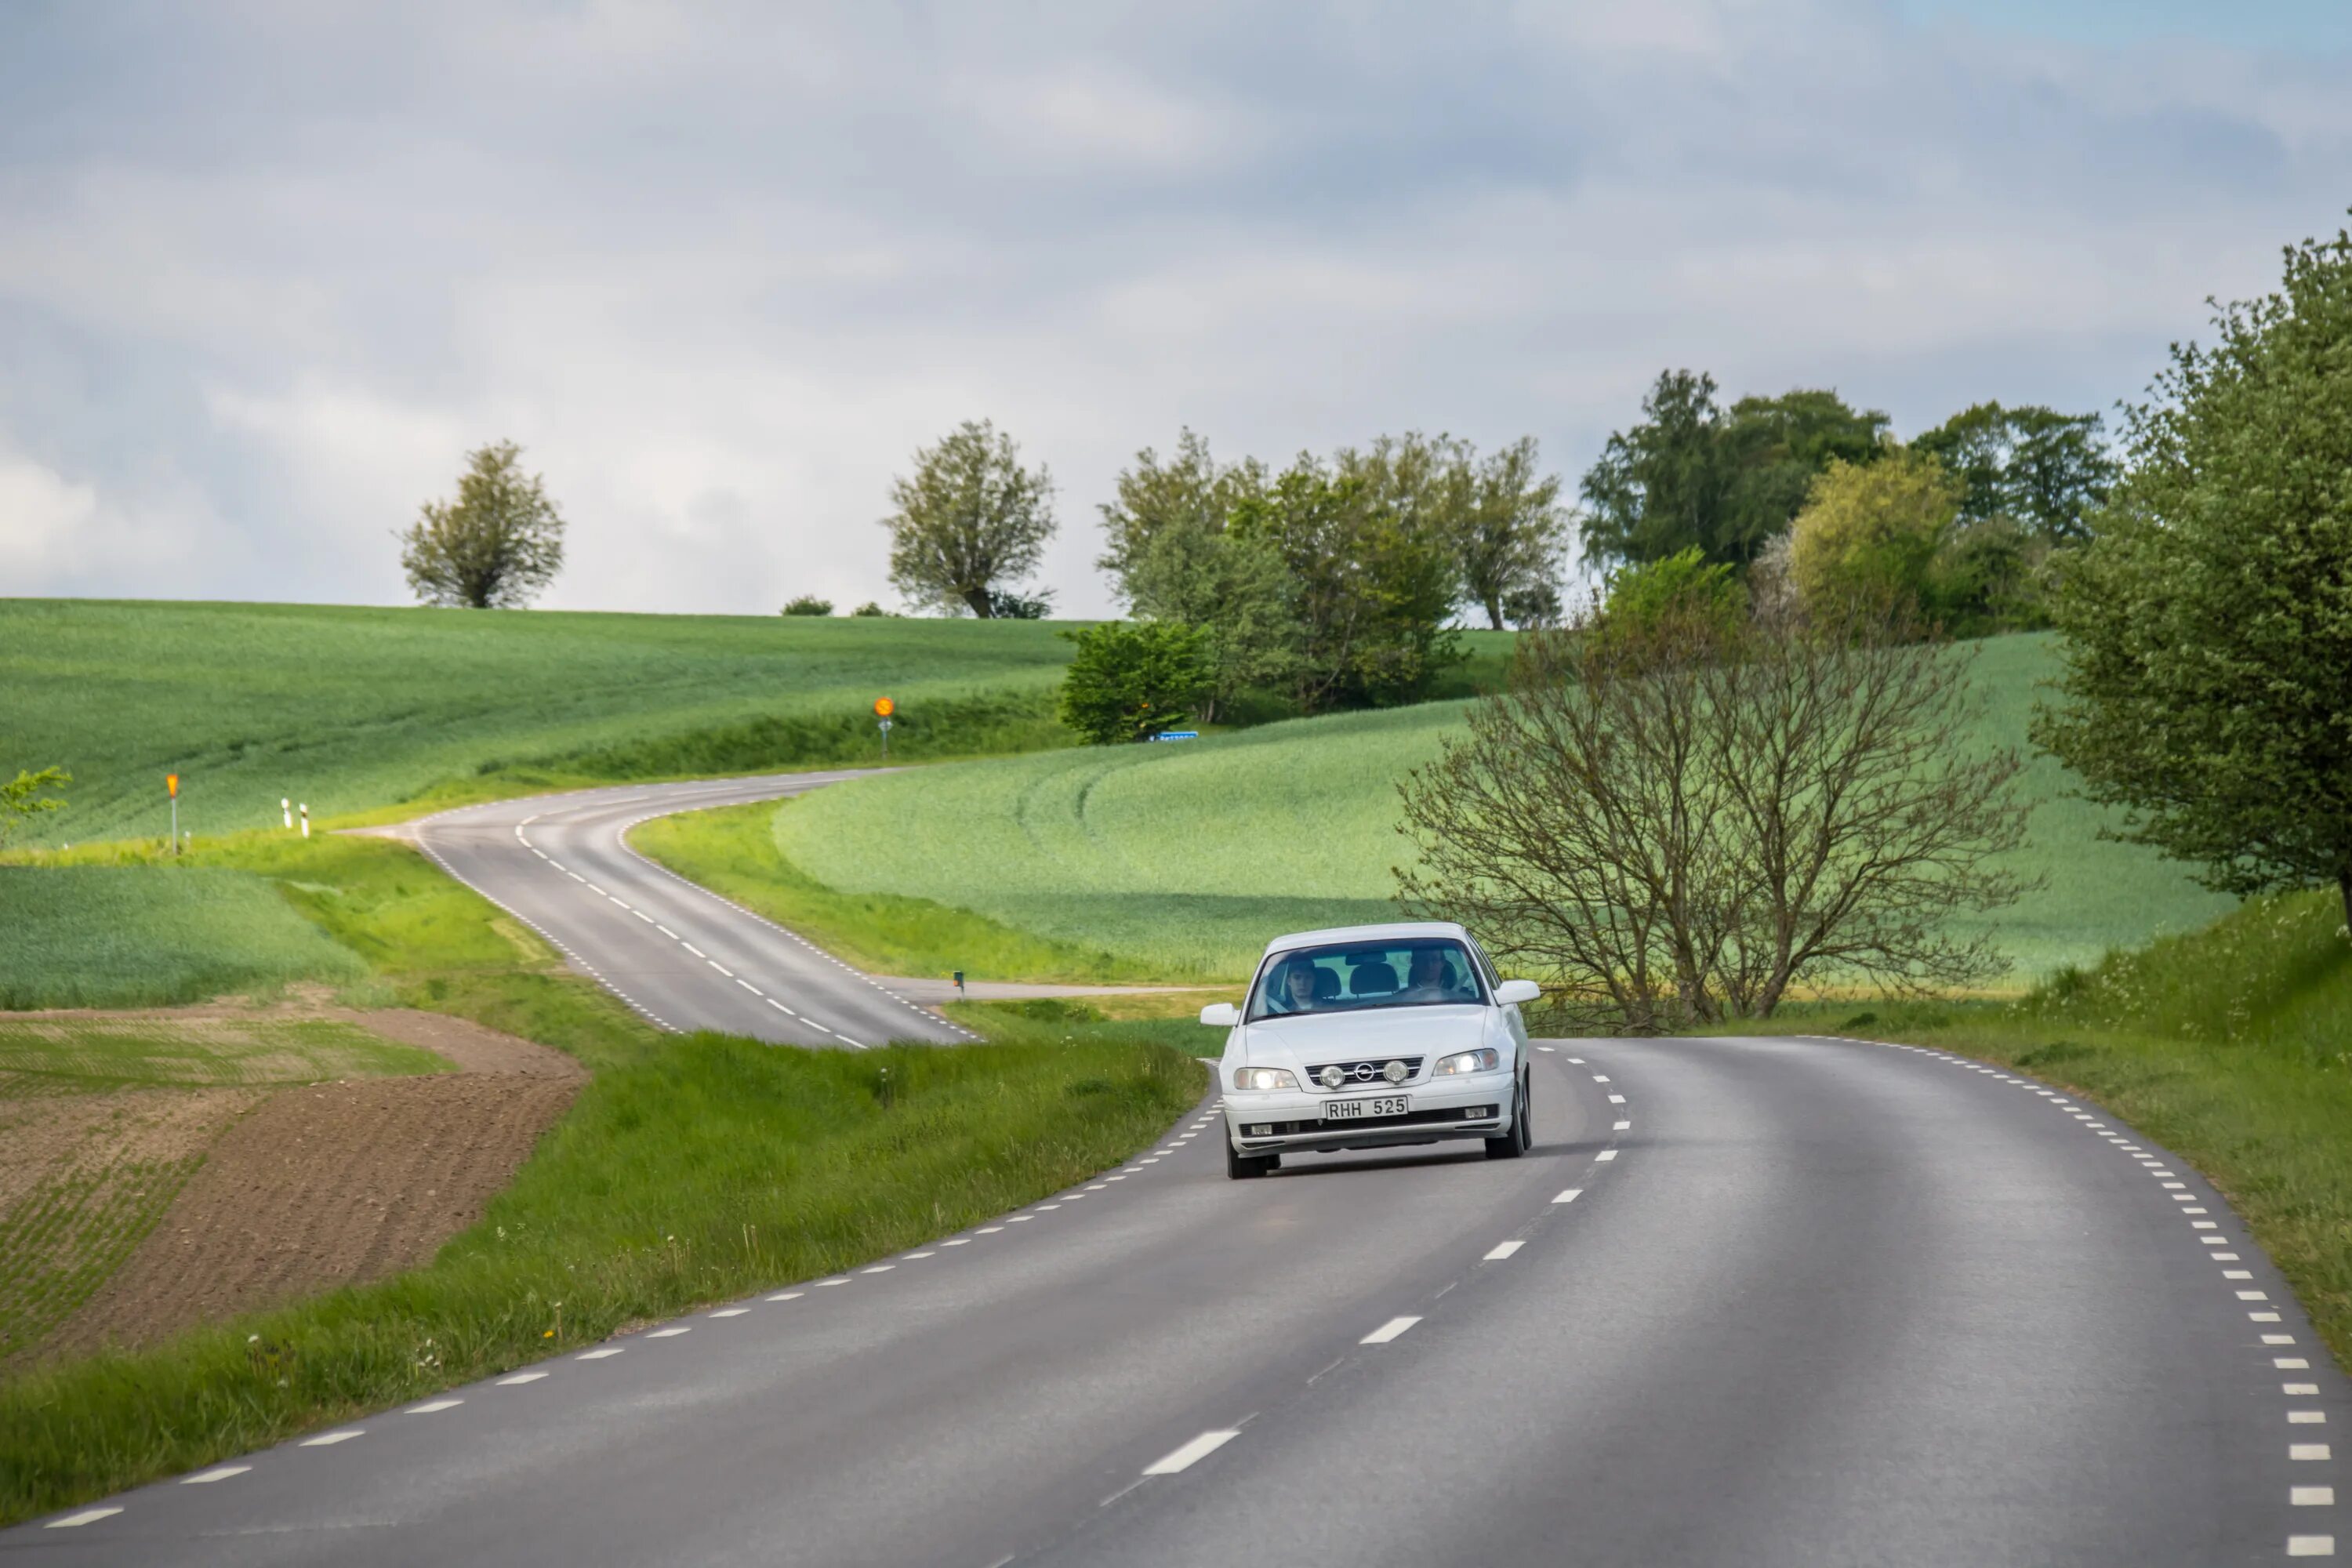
{"x":1191,"y":1454}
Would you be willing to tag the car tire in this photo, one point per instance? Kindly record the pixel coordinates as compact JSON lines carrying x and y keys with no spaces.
{"x":1240,"y":1166}
{"x":1521,"y":1137}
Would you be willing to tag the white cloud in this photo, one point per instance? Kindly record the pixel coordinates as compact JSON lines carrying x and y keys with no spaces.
{"x":266,"y":273}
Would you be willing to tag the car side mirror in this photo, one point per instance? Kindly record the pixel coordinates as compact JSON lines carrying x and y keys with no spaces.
{"x":1221,"y":1014}
{"x":1510,"y":993}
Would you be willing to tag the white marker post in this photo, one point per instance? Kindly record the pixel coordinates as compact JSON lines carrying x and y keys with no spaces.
{"x":287,"y":806}
{"x":305,"y":809}
{"x":883,"y":708}
{"x":172,"y":782}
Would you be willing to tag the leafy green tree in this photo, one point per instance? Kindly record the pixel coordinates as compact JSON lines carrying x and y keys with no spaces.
{"x":1691,"y":473}
{"x":1370,"y":595}
{"x":1683,"y":587}
{"x":809,"y":605}
{"x":1872,"y":533}
{"x":2207,"y":679}
{"x":868,"y":610}
{"x":1128,"y":681}
{"x":1172,"y":556}
{"x":970,"y":521}
{"x":2046,"y":470}
{"x":1509,"y":540}
{"x":496,"y":546}
{"x":21,"y":798}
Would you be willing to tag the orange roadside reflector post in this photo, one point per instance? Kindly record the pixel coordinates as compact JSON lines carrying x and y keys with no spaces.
{"x":172,"y":782}
{"x":883,"y":708}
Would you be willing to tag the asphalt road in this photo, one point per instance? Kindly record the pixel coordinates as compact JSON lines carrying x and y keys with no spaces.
{"x":682,"y":956}
{"x":1753,"y":1302}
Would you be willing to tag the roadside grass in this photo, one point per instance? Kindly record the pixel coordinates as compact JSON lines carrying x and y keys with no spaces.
{"x":689,"y":1171}
{"x":119,"y":936}
{"x":1177,"y":862}
{"x":86,"y":1054}
{"x":732,"y":850}
{"x":352,"y":709}
{"x":2232,"y":1047}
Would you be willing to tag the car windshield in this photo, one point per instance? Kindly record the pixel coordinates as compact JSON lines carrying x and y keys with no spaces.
{"x":1409,"y":972}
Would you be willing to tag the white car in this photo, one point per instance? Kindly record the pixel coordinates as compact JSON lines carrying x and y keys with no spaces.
{"x":1370,"y":1038}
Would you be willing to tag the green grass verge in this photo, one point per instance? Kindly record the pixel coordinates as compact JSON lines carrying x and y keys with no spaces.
{"x":2232,"y":1047}
{"x":732,"y":850}
{"x":1180,"y":861}
{"x":80,"y":1054}
{"x":354,"y":709}
{"x":120,"y":936}
{"x":689,"y":1171}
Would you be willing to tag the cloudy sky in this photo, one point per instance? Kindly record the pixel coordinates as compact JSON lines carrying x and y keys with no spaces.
{"x":269,"y":269}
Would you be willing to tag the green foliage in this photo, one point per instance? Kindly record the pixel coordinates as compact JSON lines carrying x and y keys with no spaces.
{"x":869,"y":609}
{"x":809,"y":605}
{"x":1644,"y":594}
{"x":2207,"y":687}
{"x":1131,"y":679}
{"x":120,"y":936}
{"x":494,"y":547}
{"x":1692,"y":474}
{"x":1368,"y":590}
{"x":971,"y":522}
{"x":352,"y":709}
{"x":2044,"y":471}
{"x":21,"y":797}
{"x":1871,"y":533}
{"x":1180,"y":861}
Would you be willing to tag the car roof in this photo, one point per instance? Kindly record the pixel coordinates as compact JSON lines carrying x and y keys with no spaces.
{"x":1392,"y":931}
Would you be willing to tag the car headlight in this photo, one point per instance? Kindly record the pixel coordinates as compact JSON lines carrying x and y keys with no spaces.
{"x":1265,"y":1078}
{"x":1484,"y":1060}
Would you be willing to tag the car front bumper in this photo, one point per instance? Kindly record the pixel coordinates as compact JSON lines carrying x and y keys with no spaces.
{"x":1470,"y":1105}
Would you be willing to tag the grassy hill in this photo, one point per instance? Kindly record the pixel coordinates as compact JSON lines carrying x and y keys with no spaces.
{"x":1181,"y":860}
{"x":354,"y":709}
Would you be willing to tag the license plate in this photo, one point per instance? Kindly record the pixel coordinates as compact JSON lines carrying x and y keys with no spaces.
{"x":1349,"y":1109}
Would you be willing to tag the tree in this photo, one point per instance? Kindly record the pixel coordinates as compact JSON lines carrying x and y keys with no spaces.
{"x":1692,"y":474}
{"x":496,"y":546}
{"x":1130,"y":680}
{"x":1646,"y":596}
{"x":21,"y":798}
{"x":970,"y":521}
{"x":1681,"y":820}
{"x":1369,"y":595}
{"x":1873,"y":532}
{"x":809,"y":605}
{"x":869,"y":610}
{"x":1509,"y":539}
{"x":2047,"y":471}
{"x":2206,"y":683}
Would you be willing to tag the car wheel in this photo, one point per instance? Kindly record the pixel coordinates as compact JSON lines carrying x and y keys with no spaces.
{"x":1240,"y":1166}
{"x":1521,"y":1137}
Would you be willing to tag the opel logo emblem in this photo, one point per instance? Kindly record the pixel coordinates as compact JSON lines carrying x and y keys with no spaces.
{"x":1363,"y":1072}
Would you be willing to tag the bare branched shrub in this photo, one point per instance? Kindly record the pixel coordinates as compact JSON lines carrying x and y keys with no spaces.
{"x":1680,"y":820}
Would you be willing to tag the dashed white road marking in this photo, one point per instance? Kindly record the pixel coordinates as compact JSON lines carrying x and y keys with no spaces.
{"x":730,"y":1311}
{"x":1600,"y":1077}
{"x":1503,"y":1249}
{"x":1388,"y":1330}
{"x":2306,"y":1452}
{"x":1016,"y":1219}
{"x":1606,"y":1154}
{"x":1191,"y":1454}
{"x":520,"y":1377}
{"x":2291,"y":1364}
{"x":1622,"y":1126}
{"x":912,"y":1257}
{"x":2306,"y":1418}
{"x":1616,"y":1100}
{"x":694,"y":950}
{"x":87,"y":1516}
{"x":669,"y":1333}
{"x":956,"y":1241}
{"x":329,"y":1439}
{"x":2305,"y":1390}
{"x":2311,"y":1497}
{"x":1569,"y":1197}
{"x":219,"y":1473}
{"x":430,"y":1405}
{"x":879,"y":1268}
{"x":2311,"y":1546}
{"x":822,"y":1283}
{"x":787,"y":1296}
{"x":599,"y":1354}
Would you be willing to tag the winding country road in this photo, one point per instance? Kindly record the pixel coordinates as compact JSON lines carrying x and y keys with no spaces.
{"x":1754,"y":1303}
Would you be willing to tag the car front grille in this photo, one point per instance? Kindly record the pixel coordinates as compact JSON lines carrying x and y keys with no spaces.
{"x":1371,"y":1123}
{"x":1363,"y":1073}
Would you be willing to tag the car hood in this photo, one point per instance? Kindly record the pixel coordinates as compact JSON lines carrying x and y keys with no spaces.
{"x":1373,"y":1032}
